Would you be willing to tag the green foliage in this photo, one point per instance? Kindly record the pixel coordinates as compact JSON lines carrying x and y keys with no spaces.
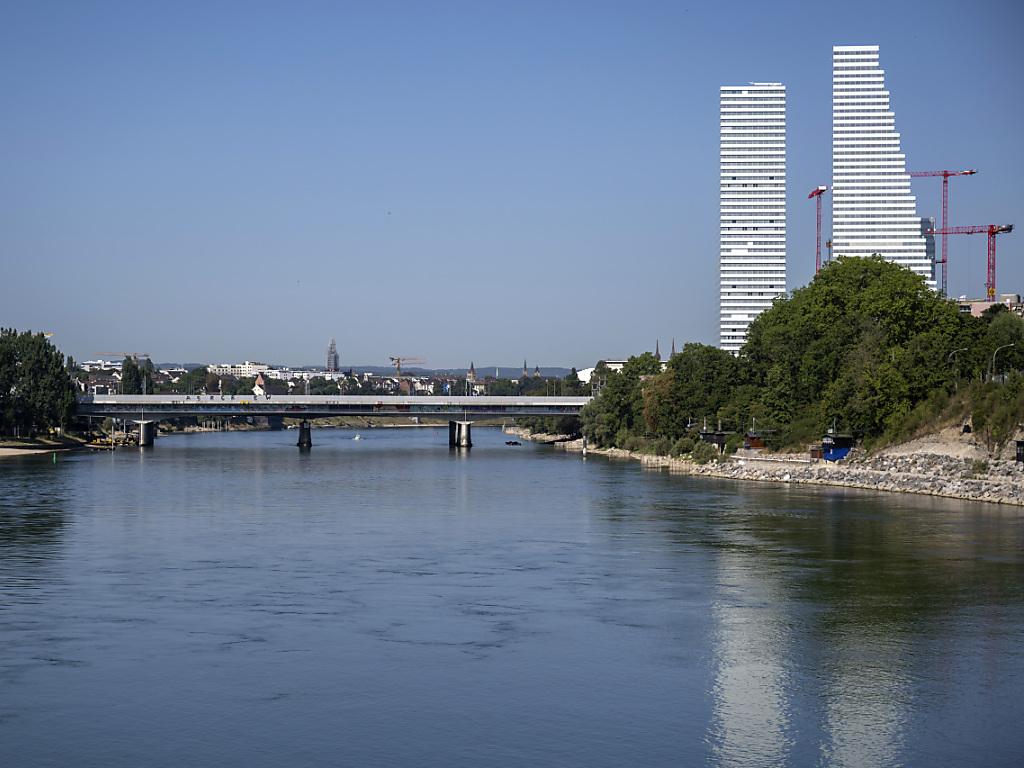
{"x":683,"y":446}
{"x":131,"y":378}
{"x":193,"y":382}
{"x":862,"y":343}
{"x":35,"y":388}
{"x":705,"y":452}
{"x":866,"y":346}
{"x":501,"y":388}
{"x":698,"y":381}
{"x":619,"y":409}
{"x":661,"y":446}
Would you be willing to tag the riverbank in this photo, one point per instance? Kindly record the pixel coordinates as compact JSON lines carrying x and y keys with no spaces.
{"x":945,"y":464}
{"x":25,"y":447}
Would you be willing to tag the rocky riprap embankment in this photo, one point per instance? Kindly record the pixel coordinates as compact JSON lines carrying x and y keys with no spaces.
{"x":923,"y":473}
{"x":933,"y":474}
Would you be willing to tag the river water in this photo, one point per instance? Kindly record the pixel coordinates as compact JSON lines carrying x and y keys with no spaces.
{"x":227,"y":599}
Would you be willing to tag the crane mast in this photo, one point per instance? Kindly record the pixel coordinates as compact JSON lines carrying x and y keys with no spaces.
{"x":991,"y":230}
{"x":816,"y":194}
{"x":945,"y":208}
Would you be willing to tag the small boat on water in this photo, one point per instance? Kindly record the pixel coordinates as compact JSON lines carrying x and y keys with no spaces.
{"x":358,"y":437}
{"x":512,"y":442}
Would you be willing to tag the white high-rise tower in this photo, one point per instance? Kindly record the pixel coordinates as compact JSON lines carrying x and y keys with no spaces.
{"x":872,"y":208}
{"x":752,"y":221}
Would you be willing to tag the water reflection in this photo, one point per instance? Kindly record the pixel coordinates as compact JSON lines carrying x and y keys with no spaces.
{"x":32,"y":524}
{"x":829,"y":609}
{"x":750,"y":721}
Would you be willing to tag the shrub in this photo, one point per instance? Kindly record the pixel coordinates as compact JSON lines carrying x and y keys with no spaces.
{"x":661,"y":447}
{"x":633,"y":444}
{"x":705,"y":452}
{"x":683,"y":445}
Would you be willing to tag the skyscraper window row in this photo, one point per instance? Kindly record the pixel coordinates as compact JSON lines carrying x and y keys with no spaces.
{"x":869,"y":194}
{"x":901,"y":208}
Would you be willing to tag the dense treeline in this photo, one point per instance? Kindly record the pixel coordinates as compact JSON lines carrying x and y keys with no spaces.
{"x":863,"y":347}
{"x":36,"y":390}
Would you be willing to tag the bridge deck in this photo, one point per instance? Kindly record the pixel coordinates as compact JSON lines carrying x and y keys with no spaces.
{"x":166,"y":406}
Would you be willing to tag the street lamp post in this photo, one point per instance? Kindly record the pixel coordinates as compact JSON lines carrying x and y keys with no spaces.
{"x":992,"y":364}
{"x":956,"y":362}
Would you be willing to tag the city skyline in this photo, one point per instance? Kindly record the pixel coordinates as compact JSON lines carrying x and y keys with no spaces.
{"x":447,"y":181}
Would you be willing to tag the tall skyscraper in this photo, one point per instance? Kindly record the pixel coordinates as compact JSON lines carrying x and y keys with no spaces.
{"x":332,"y":356}
{"x":752,"y":260}
{"x":872,"y":208}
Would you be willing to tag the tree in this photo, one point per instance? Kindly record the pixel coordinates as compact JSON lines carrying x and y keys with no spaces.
{"x":35,"y":388}
{"x":617,"y":413}
{"x":501,"y":387}
{"x":863,"y":343}
{"x":572,"y":384}
{"x":193,"y":382}
{"x":131,"y":378}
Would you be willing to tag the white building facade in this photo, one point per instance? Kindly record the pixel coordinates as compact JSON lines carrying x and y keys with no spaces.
{"x":873,"y":210}
{"x":752,"y":221}
{"x":243,"y":370}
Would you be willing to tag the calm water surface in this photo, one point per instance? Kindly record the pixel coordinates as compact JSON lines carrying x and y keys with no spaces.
{"x":228,"y":600}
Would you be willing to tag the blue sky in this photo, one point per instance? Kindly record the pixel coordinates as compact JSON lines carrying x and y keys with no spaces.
{"x":455,"y":181}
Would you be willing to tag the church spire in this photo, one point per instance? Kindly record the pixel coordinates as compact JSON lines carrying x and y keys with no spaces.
{"x":657,"y":354}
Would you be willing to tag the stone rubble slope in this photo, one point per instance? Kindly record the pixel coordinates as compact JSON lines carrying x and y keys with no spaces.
{"x":956,"y":466}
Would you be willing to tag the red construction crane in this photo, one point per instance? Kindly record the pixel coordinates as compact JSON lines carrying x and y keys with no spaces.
{"x":992,"y":230}
{"x":817,"y":194}
{"x":945,"y":208}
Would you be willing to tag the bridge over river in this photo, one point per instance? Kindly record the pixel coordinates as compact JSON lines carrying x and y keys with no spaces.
{"x":460,"y":412}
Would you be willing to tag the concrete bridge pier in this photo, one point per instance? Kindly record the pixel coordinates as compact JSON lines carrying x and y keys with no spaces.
{"x":147,"y":431}
{"x":459,"y":435}
{"x":305,"y":437}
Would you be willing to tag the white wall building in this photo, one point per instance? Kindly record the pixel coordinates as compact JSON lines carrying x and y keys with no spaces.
{"x":752,"y":260}
{"x":246,"y":369}
{"x":872,"y":208}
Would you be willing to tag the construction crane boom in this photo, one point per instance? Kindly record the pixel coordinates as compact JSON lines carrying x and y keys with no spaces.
{"x":991,"y":230}
{"x":817,"y":195}
{"x":945,"y":207}
{"x":399,"y":360}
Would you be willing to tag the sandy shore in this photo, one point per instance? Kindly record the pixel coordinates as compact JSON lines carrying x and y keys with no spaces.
{"x":26,"y":451}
